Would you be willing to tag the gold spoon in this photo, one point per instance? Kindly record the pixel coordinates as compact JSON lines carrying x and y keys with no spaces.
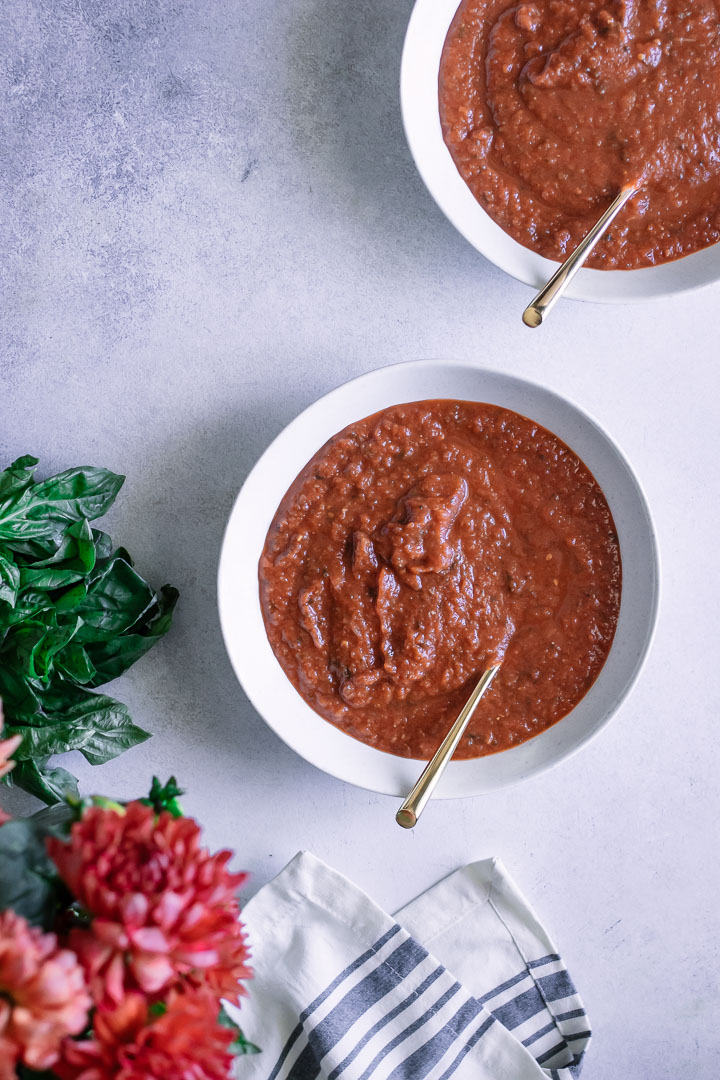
{"x":408,"y":814}
{"x":548,"y":296}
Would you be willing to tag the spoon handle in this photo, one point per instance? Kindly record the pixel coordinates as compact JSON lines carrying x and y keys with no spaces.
{"x":414,"y":805}
{"x":548,"y":296}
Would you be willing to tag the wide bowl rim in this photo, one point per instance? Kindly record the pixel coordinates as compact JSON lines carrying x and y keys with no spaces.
{"x":382,"y":785}
{"x":433,"y":161}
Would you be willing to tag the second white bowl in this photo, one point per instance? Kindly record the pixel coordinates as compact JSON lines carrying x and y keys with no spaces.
{"x":426,"y":33}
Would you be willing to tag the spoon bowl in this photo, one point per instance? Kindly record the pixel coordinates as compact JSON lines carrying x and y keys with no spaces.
{"x":537,"y":310}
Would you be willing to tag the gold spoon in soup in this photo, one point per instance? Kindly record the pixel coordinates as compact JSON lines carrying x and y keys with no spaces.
{"x":408,"y":814}
{"x":548,"y":296}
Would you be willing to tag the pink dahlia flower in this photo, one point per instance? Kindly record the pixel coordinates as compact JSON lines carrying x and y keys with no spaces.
{"x":43,"y":997}
{"x":164,"y":909}
{"x":127,"y":1044}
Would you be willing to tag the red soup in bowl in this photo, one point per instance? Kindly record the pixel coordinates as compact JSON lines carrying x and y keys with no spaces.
{"x":549,"y":107}
{"x":421,"y":544}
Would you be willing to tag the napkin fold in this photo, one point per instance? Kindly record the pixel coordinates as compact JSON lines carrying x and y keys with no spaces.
{"x":463,"y":982}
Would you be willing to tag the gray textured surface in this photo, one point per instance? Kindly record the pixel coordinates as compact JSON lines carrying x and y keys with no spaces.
{"x":208,"y":218}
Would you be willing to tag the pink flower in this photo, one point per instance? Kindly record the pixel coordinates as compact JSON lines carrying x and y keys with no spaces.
{"x":186,"y":1043}
{"x":43,"y":997}
{"x":164,"y":910}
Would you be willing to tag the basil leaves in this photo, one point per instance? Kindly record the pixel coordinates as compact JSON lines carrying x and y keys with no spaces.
{"x":74,"y":613}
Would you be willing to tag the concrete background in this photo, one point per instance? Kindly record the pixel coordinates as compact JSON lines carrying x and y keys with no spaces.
{"x":209,"y":217}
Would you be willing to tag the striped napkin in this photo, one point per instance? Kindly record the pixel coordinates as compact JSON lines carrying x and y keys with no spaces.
{"x":463,"y":982}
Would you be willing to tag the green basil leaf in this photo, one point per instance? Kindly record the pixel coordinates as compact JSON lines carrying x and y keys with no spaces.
{"x":37,"y":647}
{"x":37,"y":778}
{"x":89,"y":707}
{"x":54,"y":702}
{"x":29,"y":551}
{"x":114,"y":656}
{"x":68,"y":603}
{"x":108,"y":739}
{"x":98,"y":726}
{"x":49,"y":506}
{"x":103,"y":545}
{"x":124,"y":554}
{"x":71,"y":599}
{"x":9,"y":579}
{"x":75,"y":552}
{"x":85,"y":492}
{"x":74,"y":664}
{"x":41,"y":742}
{"x":17,"y":476}
{"x":53,"y":642}
{"x":102,"y":565}
{"x":29,"y":605}
{"x":115,"y":601}
{"x":20,"y":700}
{"x":49,"y":577}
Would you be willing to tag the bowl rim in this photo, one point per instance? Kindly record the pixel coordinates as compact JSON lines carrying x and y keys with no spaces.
{"x":339,"y":771}
{"x":421,"y":125}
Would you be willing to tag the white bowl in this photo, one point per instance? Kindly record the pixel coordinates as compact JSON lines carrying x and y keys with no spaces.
{"x":428,"y":27}
{"x":266,"y":684}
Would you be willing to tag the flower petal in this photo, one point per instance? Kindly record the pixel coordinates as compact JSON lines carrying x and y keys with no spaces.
{"x":153,"y":973}
{"x":150,"y":939}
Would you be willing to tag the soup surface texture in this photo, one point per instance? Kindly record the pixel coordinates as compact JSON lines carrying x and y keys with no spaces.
{"x":423,"y":543}
{"x":549,"y":107}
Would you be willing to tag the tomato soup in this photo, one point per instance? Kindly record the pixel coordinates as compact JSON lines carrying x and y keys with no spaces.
{"x":420,"y":545}
{"x":549,"y":107}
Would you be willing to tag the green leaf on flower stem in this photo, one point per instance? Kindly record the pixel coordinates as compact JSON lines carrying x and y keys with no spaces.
{"x":164,"y":797}
{"x":29,"y":882}
{"x":57,"y":819}
{"x":240,"y":1045}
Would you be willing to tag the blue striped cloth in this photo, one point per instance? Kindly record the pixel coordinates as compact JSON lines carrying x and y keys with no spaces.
{"x":463,"y":983}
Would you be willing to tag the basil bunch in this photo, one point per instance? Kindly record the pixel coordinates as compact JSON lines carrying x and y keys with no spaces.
{"x":74,"y":613}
